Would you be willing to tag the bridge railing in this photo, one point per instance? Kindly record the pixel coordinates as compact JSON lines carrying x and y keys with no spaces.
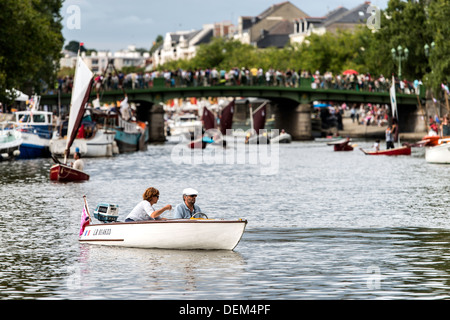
{"x":334,"y":83}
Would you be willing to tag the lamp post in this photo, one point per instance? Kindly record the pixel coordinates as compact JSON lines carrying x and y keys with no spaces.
{"x":400,"y":55}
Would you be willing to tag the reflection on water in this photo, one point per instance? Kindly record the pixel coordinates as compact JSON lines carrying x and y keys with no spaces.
{"x":155,"y":274}
{"x":327,"y":226}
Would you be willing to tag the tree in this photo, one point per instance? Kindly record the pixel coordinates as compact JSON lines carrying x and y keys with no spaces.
{"x":30,"y":43}
{"x":439,"y":24}
{"x":403,"y":23}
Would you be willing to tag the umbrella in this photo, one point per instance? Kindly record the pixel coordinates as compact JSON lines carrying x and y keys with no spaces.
{"x":350,"y":71}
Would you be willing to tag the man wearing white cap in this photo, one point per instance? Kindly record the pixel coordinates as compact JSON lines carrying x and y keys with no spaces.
{"x":188,"y":208}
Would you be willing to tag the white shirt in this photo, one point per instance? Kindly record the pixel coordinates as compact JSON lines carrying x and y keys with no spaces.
{"x":78,"y":164}
{"x":141,"y":211}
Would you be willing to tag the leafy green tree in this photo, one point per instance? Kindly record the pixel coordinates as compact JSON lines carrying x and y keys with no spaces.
{"x":30,"y":43}
{"x":404,"y":23}
{"x":439,"y":24}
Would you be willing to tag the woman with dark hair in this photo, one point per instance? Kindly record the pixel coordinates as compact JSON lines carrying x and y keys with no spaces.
{"x":144,"y":210}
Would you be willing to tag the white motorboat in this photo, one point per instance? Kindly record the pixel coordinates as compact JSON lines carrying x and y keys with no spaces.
{"x":182,"y":234}
{"x":185,"y":124}
{"x":208,"y":234}
{"x":283,"y":137}
{"x":10,"y":141}
{"x":439,"y":153}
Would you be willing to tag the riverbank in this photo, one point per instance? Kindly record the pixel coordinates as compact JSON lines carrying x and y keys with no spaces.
{"x":355,"y":130}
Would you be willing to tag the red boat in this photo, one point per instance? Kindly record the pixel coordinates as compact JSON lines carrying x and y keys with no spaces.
{"x":401,"y":151}
{"x":63,"y":173}
{"x":341,"y":145}
{"x":80,"y":94}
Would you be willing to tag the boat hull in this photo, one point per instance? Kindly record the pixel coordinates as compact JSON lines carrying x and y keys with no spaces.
{"x":10,"y":142}
{"x":341,"y":145}
{"x":127,"y":142}
{"x":282,"y":138}
{"x":402,"y":151}
{"x":63,"y":173}
{"x":101,"y":145}
{"x":36,"y":130}
{"x":438,"y":154}
{"x":190,"y":234}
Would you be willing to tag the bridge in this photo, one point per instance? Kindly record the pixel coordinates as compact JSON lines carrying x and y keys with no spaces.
{"x":293,"y":105}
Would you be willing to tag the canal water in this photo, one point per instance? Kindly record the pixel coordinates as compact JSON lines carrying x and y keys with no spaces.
{"x":321,"y":225}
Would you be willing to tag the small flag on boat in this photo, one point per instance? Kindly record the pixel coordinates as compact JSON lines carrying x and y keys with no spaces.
{"x":84,"y":219}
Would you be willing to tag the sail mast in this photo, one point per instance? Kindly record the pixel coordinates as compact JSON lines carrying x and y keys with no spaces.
{"x":80,"y":94}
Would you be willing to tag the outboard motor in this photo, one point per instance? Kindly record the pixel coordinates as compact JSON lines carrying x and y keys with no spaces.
{"x":106,"y":212}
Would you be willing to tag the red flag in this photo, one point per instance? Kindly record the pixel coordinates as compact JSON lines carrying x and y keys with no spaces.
{"x":84,"y":219}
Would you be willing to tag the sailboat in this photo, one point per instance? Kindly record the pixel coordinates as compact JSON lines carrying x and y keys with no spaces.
{"x":257,"y":120}
{"x":208,"y":120}
{"x":80,"y":95}
{"x":226,"y":118}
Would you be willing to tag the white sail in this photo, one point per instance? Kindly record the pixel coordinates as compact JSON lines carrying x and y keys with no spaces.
{"x":393,"y":99}
{"x":81,"y":87}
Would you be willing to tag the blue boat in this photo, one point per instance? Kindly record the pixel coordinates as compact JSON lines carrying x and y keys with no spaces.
{"x":130,"y":135}
{"x":36,"y":128}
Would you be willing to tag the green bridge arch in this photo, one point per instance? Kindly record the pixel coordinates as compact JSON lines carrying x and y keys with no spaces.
{"x":294,"y":103}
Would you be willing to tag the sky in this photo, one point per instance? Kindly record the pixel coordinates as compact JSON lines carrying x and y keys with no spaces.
{"x":115,"y":24}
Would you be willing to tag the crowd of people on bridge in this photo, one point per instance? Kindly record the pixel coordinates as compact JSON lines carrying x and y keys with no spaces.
{"x":245,"y":77}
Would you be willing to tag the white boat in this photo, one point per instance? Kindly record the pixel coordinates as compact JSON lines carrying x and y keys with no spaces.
{"x":283,"y":137}
{"x":182,"y":234}
{"x":185,"y":124}
{"x":101,"y":144}
{"x":439,"y":153}
{"x":208,"y":234}
{"x":10,"y":141}
{"x":36,"y":127}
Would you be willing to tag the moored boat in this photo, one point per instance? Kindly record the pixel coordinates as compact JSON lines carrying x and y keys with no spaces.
{"x":36,"y":127}
{"x":283,"y":137}
{"x":185,"y":124}
{"x":405,"y":150}
{"x":341,"y":145}
{"x":10,"y":141}
{"x":100,"y":144}
{"x":439,"y":153}
{"x":257,"y":134}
